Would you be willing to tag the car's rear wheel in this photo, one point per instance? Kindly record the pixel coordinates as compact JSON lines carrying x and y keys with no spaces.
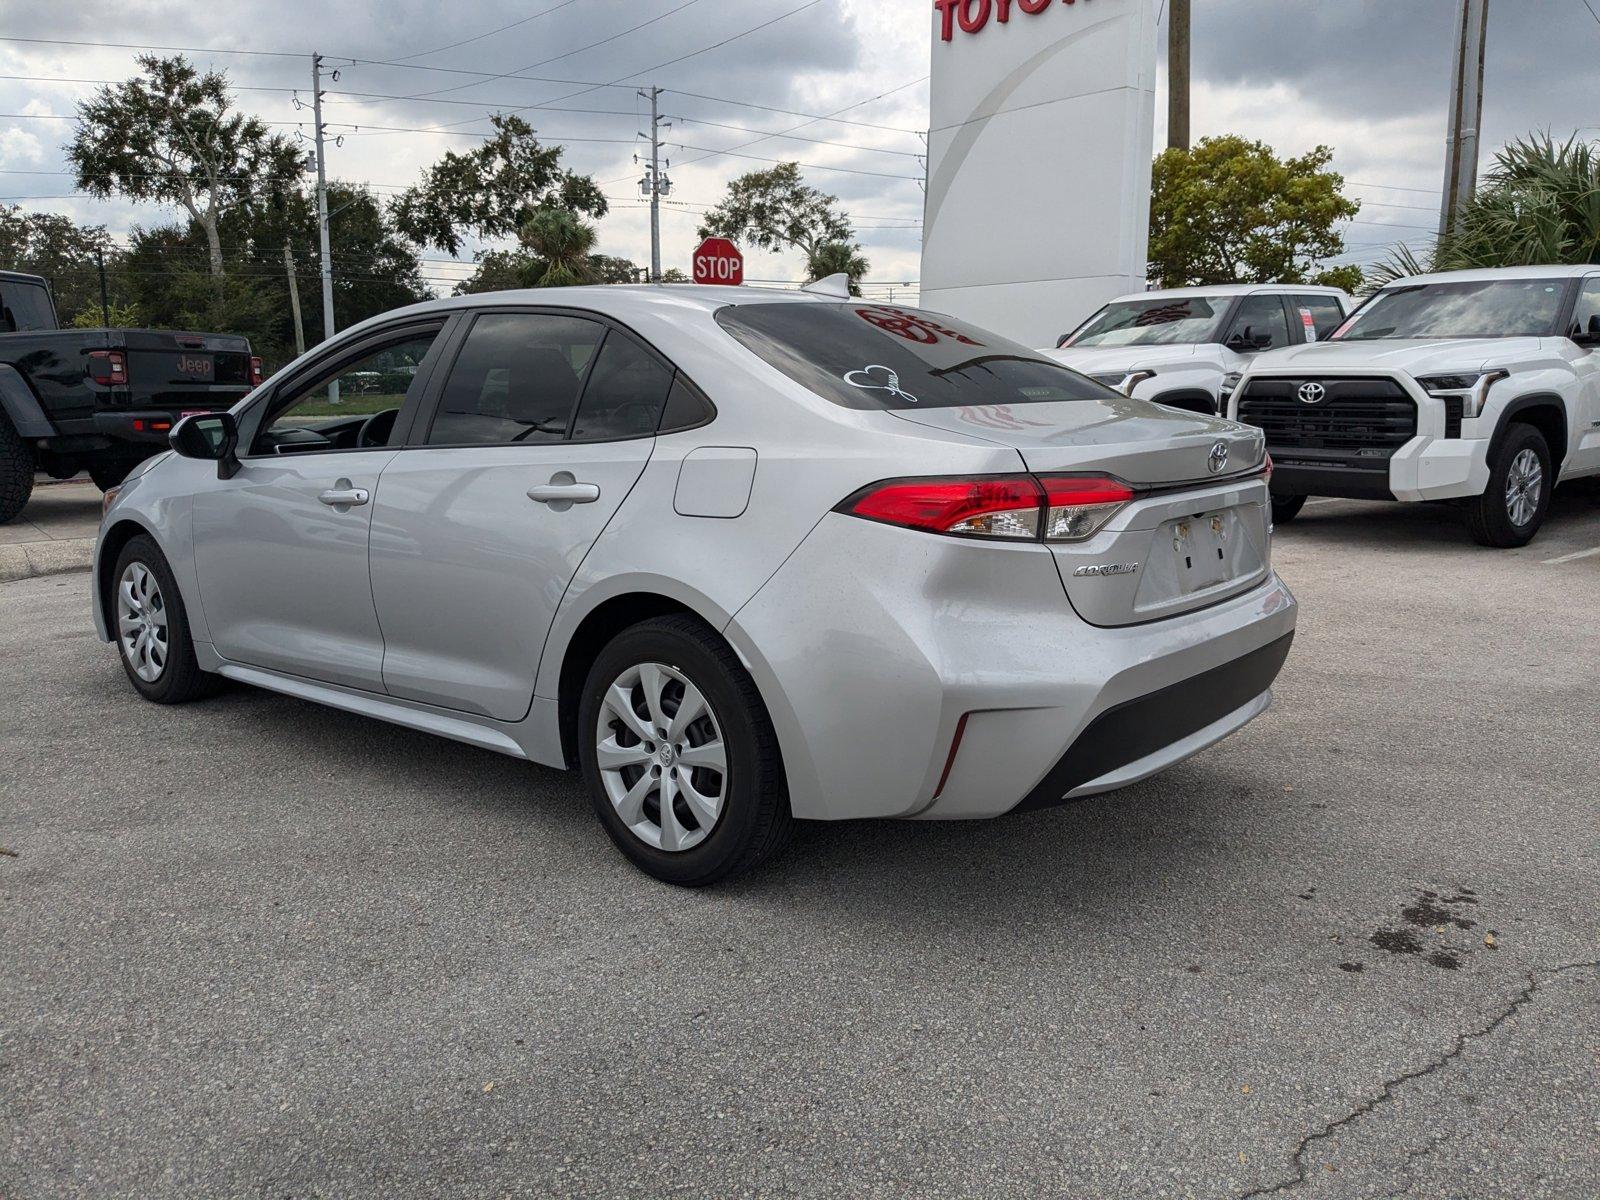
{"x":151,"y":627}
{"x":679,"y":754}
{"x":1286,"y":508}
{"x":16,"y":471}
{"x":1512,"y":507}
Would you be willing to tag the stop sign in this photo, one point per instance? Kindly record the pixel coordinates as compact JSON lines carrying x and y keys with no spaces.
{"x":718,"y":261}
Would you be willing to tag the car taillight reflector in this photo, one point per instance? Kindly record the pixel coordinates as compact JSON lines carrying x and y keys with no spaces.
{"x":997,"y":506}
{"x":255,"y":372}
{"x":1011,"y":507}
{"x":108,"y":366}
{"x":1079,"y":506}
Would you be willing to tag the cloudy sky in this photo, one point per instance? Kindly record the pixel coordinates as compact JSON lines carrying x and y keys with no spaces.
{"x":1368,"y":77}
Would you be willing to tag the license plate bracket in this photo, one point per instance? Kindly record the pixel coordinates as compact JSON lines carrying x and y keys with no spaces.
{"x":1200,"y":547}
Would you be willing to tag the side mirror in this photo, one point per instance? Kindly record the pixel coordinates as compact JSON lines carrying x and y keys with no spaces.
{"x":1590,"y":334}
{"x":212,"y":436}
{"x":1242,"y":341}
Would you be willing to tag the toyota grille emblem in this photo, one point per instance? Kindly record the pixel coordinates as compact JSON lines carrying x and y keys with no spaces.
{"x":1219,"y":457}
{"x":1312,"y":393}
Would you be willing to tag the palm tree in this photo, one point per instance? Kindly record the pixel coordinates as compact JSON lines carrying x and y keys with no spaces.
{"x":1539,"y":203}
{"x":837,"y":258}
{"x":565,"y":243}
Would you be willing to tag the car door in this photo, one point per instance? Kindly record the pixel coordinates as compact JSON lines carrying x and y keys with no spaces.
{"x":541,"y":427}
{"x":1586,"y":365}
{"x":281,"y":547}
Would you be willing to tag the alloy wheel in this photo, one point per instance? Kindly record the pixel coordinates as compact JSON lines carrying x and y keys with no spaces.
{"x":661,"y":756}
{"x":142,"y":622}
{"x":1524,"y":483}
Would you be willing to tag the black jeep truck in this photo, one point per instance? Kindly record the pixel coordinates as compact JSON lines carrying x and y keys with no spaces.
{"x":99,"y":400}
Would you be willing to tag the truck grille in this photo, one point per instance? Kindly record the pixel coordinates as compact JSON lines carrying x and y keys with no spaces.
{"x":1359,"y":422}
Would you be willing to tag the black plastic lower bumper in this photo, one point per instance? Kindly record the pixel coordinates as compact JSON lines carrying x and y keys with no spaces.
{"x":1352,"y":483}
{"x":1139,"y":727}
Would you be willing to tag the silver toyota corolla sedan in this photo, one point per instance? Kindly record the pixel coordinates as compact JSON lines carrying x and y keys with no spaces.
{"x":741,"y":557}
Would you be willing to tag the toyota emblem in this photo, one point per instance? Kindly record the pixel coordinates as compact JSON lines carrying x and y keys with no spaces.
{"x":1312,"y":393}
{"x":1219,"y":457}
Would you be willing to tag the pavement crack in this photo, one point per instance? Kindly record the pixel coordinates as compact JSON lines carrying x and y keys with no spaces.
{"x":1386,"y":1093}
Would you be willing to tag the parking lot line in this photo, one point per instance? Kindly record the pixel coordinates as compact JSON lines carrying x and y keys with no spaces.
{"x":1576,"y":554}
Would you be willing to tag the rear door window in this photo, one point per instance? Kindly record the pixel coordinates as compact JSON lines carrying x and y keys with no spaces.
{"x":1324,"y":313}
{"x":626,"y":392}
{"x":517,"y":379}
{"x":25,"y":307}
{"x":879,"y":356}
{"x":1259,"y":324}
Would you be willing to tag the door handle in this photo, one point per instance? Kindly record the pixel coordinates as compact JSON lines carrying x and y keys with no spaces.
{"x":563,"y":491}
{"x":345,"y":497}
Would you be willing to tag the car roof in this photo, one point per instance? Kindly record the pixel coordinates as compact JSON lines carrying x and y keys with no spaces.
{"x":620,"y":299}
{"x":14,"y":276}
{"x":1488,"y":274}
{"x":1227,"y":290}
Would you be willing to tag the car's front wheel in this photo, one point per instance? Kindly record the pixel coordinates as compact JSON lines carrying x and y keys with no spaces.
{"x":679,"y":754}
{"x":1521,"y":477}
{"x":152,"y":629}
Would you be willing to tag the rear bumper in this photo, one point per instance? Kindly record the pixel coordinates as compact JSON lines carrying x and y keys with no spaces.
{"x":147,"y":425}
{"x":874,"y":646}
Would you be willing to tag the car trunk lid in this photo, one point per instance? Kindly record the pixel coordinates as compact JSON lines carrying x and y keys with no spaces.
{"x":1196,"y":530}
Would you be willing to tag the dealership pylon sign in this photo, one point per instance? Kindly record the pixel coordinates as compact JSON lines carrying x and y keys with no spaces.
{"x":718,"y":261}
{"x":1038,"y":203}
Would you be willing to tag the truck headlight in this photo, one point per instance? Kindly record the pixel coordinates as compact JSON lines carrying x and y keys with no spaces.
{"x":1472,"y":386}
{"x":1229,"y":382}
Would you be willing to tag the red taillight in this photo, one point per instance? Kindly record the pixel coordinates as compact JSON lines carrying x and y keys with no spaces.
{"x":1012,"y":507}
{"x":1003,"y":506}
{"x":108,"y":367}
{"x":1267,"y":470}
{"x":255,"y":372}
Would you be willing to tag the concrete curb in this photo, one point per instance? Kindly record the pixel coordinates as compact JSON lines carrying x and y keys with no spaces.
{"x":27,"y":560}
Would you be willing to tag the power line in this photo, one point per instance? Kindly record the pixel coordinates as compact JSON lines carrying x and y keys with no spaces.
{"x":468,"y":41}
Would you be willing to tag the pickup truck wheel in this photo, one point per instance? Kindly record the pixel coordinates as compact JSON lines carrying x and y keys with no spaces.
{"x":1512,"y":508}
{"x":1286,"y":508}
{"x":16,"y":472}
{"x":151,"y":628}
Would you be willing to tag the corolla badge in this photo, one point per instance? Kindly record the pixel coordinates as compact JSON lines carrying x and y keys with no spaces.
{"x":1107,"y":569}
{"x":878,"y":378}
{"x":1312,"y":393}
{"x":1218,"y":458}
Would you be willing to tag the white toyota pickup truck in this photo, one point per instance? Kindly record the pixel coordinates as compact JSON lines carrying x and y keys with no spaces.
{"x":1481,"y":387}
{"x":1182,"y":347}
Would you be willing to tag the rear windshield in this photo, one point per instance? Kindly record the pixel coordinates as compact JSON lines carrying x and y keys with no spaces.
{"x":25,"y":307}
{"x":1486,"y":308}
{"x":878,"y":356}
{"x":1161,"y":322}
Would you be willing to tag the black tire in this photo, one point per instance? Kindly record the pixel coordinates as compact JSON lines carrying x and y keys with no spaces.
{"x":1489,"y":517}
{"x":181,"y":678}
{"x":754,"y":820}
{"x":107,"y":473}
{"x":1286,"y":508}
{"x":16,"y":471}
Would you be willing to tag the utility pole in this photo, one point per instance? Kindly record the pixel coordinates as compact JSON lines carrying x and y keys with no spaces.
{"x":105,"y":303}
{"x":1178,"y":76}
{"x":322,"y":209}
{"x":294,"y":300}
{"x":1466,"y":110}
{"x":654,"y":185}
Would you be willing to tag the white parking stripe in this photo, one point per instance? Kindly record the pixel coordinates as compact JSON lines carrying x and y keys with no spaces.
{"x":1323,"y":500}
{"x":1576,"y":554}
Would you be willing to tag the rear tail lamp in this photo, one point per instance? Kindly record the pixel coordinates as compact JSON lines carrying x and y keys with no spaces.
{"x":1017,"y":508}
{"x":108,"y":366}
{"x":255,"y":372}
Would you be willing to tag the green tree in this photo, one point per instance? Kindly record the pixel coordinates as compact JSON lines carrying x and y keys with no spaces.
{"x":1229,"y":210}
{"x":63,"y":252}
{"x":493,"y":190}
{"x":1538,"y":203}
{"x":564,"y":244}
{"x":609,"y":269}
{"x":502,"y":271}
{"x":836,"y":258}
{"x":172,"y":136}
{"x":775,"y":209}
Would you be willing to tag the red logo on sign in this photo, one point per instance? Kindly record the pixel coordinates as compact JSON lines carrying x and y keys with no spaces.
{"x":718,"y":261}
{"x":973,"y":15}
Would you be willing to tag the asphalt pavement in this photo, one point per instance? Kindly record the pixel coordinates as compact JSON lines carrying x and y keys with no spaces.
{"x":253,"y":947}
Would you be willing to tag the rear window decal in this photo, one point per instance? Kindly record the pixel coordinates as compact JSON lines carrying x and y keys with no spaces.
{"x":878,"y":378}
